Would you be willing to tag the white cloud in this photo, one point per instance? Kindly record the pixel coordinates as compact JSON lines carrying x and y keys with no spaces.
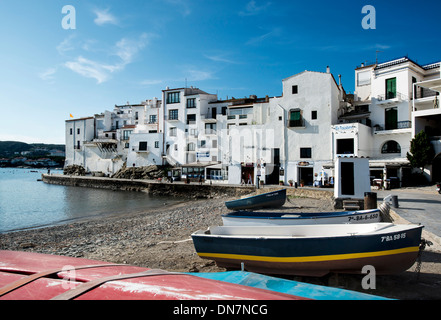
{"x":90,"y":69}
{"x":104,"y":17}
{"x":125,"y":49}
{"x":220,"y":58}
{"x":48,"y":74}
{"x":275,"y":32}
{"x":194,"y":74}
{"x":253,"y":9}
{"x":66,"y":45}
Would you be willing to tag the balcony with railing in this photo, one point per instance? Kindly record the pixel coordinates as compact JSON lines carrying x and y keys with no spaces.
{"x":393,"y":126}
{"x":426,"y":99}
{"x":391,"y":98}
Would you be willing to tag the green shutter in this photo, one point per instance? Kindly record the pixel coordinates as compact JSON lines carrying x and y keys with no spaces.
{"x":391,"y":88}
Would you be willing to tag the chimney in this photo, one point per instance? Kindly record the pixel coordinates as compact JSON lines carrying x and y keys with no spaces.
{"x":328,"y":70}
{"x":339,"y":80}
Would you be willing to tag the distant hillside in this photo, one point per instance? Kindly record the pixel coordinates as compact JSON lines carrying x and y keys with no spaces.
{"x":9,"y":148}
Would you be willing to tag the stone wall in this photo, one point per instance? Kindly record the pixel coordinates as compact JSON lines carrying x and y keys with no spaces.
{"x":192,"y":190}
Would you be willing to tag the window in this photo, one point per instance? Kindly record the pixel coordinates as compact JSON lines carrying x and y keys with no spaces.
{"x":191,"y":103}
{"x":153,"y":118}
{"x":191,"y":146}
{"x":214,"y":144}
{"x":363,"y":78}
{"x":305,"y":152}
{"x":142,"y":145}
{"x":78,"y":130}
{"x":173,"y":114}
{"x":126,"y":134}
{"x":71,"y":131}
{"x":116,"y":124}
{"x":295,"y":89}
{"x":127,"y":145}
{"x":295,"y":118}
{"x":173,"y":132}
{"x":173,"y":97}
{"x":345,"y":146}
{"x":203,"y":143}
{"x":156,"y":144}
{"x":391,"y":146}
{"x":210,"y":128}
{"x":314,"y":115}
{"x":136,"y":115}
{"x":191,"y":118}
{"x":391,"y":88}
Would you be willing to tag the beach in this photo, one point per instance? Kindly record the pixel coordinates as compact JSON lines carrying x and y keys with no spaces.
{"x":161,"y":238}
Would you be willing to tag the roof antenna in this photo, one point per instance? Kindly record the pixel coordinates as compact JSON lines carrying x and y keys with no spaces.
{"x":376,"y":56}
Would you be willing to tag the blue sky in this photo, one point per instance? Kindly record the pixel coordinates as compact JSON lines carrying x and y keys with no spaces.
{"x":131,"y":50}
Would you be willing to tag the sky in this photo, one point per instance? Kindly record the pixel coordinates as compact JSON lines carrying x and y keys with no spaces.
{"x":85,"y":58}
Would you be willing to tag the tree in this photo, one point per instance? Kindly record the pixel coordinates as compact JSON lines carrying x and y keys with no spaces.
{"x":421,"y":151}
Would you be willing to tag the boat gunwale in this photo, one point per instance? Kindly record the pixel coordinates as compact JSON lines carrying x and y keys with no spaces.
{"x":386,"y":226}
{"x":338,"y":214}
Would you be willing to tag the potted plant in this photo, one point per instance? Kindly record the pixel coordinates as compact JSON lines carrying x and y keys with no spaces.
{"x":281,"y":182}
{"x":290,"y":183}
{"x":302,"y":183}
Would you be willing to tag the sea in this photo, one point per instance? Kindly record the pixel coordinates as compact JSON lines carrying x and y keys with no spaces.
{"x":26,"y":203}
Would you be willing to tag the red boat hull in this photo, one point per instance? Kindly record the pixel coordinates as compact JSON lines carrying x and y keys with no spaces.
{"x":25,"y":276}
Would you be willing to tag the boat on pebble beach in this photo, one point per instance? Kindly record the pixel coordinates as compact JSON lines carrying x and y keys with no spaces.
{"x":311,"y":250}
{"x":274,"y":200}
{"x":247,"y":218}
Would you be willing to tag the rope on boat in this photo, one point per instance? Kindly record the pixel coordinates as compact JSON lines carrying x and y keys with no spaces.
{"x":423,"y":245}
{"x":173,"y":242}
{"x":385,"y":211}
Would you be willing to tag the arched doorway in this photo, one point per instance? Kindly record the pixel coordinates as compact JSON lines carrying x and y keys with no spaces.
{"x":436,"y":168}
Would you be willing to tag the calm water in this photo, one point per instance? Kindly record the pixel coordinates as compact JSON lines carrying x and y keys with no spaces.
{"x":28,"y":203}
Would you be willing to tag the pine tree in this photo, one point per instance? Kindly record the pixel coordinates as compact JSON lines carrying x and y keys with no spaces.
{"x":421,"y":151}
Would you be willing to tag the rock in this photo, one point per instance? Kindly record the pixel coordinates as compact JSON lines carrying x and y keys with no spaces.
{"x":74,"y":170}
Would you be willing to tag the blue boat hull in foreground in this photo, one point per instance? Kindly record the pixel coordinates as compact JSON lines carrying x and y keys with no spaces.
{"x":312,"y":250}
{"x":300,"y":289}
{"x":274,"y":200}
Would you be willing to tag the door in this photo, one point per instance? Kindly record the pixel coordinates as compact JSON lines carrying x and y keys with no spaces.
{"x":272,"y":169}
{"x":391,"y":118}
{"x":347,"y":178}
{"x":306,"y":176}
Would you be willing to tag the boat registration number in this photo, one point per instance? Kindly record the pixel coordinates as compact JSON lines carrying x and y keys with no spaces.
{"x":397,"y":236}
{"x":364,"y":217}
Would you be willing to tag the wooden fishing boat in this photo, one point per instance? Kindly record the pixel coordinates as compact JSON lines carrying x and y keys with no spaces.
{"x":33,"y":276}
{"x":274,"y":199}
{"x":311,"y":250}
{"x":247,"y":218}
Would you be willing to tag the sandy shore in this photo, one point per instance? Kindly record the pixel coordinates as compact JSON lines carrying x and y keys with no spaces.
{"x":161,"y":239}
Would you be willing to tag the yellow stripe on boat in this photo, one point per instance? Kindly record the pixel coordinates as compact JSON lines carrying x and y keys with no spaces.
{"x":311,"y":258}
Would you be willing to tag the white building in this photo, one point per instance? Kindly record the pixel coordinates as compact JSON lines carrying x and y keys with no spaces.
{"x":283,"y":138}
{"x":426,"y":114}
{"x":379,"y":124}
